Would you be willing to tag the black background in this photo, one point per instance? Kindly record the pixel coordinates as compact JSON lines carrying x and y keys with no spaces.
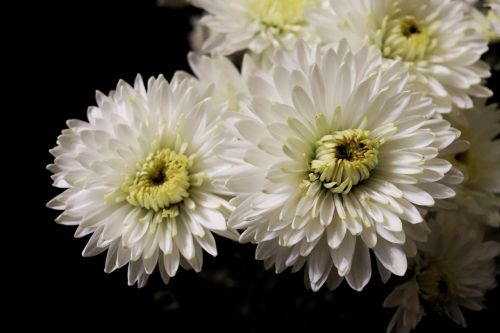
{"x":71,"y":49}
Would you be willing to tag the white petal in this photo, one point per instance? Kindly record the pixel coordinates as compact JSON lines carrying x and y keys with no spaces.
{"x":184,"y":240}
{"x":319,"y":266}
{"x":391,"y":256}
{"x":327,"y":209}
{"x":210,"y":218}
{"x":342,"y":256}
{"x":171,"y":262}
{"x":361,"y":269}
{"x":207,"y":242}
{"x":416,"y":195}
{"x":335,"y":233}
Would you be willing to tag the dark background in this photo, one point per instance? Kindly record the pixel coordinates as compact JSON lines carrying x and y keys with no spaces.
{"x":69,"y":50}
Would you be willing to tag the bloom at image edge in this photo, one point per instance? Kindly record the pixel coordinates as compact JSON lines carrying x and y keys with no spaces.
{"x":142,"y":176}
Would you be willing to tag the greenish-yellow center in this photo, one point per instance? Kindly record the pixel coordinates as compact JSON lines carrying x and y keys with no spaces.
{"x":344,"y":159}
{"x":405,"y":38}
{"x":279,"y":13}
{"x":162,"y":182}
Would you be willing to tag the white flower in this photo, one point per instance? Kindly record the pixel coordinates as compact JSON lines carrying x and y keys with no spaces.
{"x":338,"y":156}
{"x":436,"y":39}
{"x":255,"y":25}
{"x":454,"y":269}
{"x":142,"y":177}
{"x":477,"y":154}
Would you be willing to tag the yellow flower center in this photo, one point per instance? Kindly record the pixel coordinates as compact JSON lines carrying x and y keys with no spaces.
{"x":405,"y":38}
{"x":279,"y":13}
{"x":344,"y":159}
{"x":162,"y":182}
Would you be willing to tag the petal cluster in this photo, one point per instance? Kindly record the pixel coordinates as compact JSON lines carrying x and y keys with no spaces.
{"x":437,"y":40}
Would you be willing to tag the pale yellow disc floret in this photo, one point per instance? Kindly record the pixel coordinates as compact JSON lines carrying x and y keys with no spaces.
{"x":162,"y":182}
{"x":344,"y":159}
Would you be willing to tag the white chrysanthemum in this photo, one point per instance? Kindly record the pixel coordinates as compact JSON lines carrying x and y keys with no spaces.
{"x":477,"y":154}
{"x":436,"y":39}
{"x":338,"y":156}
{"x":454,"y":269}
{"x":255,"y":25}
{"x":142,"y":177}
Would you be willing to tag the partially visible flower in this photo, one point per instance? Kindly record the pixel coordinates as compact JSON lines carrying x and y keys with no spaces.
{"x":338,"y":157}
{"x":142,"y":177}
{"x":410,"y":310}
{"x":220,"y":79}
{"x":437,"y":40}
{"x":486,"y":16}
{"x":454,"y":269}
{"x":494,"y":19}
{"x":481,"y":23}
{"x":477,"y":155}
{"x":255,"y":25}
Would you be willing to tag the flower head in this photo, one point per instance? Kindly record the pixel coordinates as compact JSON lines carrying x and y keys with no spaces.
{"x":437,"y":40}
{"x":453,"y":269}
{"x":255,"y":25}
{"x":142,"y":177}
{"x":477,"y":155}
{"x":338,"y":157}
